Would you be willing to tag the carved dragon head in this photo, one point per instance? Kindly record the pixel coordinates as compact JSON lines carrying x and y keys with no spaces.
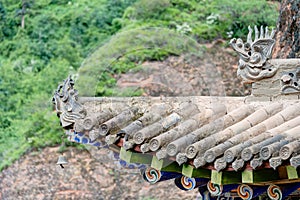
{"x":254,"y":54}
{"x":66,"y":105}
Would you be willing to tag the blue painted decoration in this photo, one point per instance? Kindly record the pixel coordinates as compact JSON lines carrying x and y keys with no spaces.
{"x":77,"y":137}
{"x":187,"y":183}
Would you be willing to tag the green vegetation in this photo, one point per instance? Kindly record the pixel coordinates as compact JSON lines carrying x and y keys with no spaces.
{"x":125,"y":51}
{"x":43,"y":41}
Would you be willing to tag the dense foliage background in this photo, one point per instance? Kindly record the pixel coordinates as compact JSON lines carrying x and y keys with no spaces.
{"x":42,"y":41}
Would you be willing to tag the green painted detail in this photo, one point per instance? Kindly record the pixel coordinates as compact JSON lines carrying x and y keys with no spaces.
{"x":172,"y":167}
{"x":257,"y":176}
{"x":201,"y":173}
{"x":190,"y":171}
{"x":265,"y":175}
{"x":216,"y":177}
{"x":230,"y":177}
{"x":160,"y":164}
{"x":187,"y":170}
{"x":125,"y":155}
{"x":291,"y":172}
{"x":141,"y":158}
{"x":225,"y":177}
{"x":157,"y":164}
{"x":132,"y":157}
{"x":247,"y":176}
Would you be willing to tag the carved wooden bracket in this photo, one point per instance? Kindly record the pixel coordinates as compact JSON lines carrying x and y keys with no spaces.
{"x":254,"y":55}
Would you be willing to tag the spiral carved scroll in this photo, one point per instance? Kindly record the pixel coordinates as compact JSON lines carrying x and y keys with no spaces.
{"x":274,"y":192}
{"x":152,"y":175}
{"x":214,"y":189}
{"x":185,"y":183}
{"x":245,"y":192}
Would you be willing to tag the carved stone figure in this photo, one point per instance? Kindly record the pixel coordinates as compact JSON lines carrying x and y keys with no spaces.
{"x":290,"y":82}
{"x":254,"y":55}
{"x":65,"y":101}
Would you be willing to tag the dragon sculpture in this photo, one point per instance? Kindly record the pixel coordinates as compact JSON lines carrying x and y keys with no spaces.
{"x":67,"y":107}
{"x":253,"y":64}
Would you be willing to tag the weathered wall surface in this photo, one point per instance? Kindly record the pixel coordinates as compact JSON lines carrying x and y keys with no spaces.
{"x":91,"y":174}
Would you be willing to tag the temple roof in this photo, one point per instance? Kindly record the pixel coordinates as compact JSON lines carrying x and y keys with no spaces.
{"x":208,"y":142}
{"x":197,"y":140}
{"x":217,"y":132}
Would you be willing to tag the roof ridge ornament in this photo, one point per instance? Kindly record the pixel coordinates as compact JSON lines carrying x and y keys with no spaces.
{"x":66,"y":103}
{"x":290,"y":81}
{"x":254,"y":55}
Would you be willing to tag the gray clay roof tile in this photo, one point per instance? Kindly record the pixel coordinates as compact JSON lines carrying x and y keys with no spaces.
{"x":227,"y":133}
